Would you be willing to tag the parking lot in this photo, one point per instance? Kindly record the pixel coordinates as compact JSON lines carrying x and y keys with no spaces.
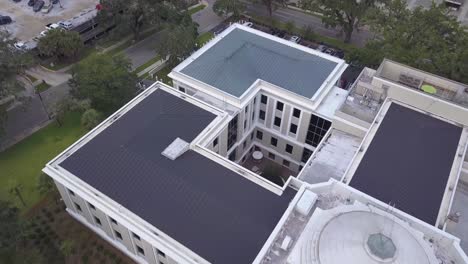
{"x":27,"y":24}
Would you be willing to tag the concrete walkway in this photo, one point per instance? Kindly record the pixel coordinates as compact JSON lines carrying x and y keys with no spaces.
{"x":52,"y":78}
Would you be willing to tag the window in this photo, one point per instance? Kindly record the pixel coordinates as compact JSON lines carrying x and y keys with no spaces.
{"x":182,"y":89}
{"x":251,"y":136}
{"x":274,"y":141}
{"x":113,"y":220}
{"x":245,"y":124}
{"x":71,"y":192}
{"x":271,"y":155}
{"x":279,"y":106}
{"x":317,"y":129}
{"x":78,"y":207}
{"x":293,"y":128}
{"x":232,"y":132}
{"x":277,"y":122}
{"x":244,"y":144}
{"x":232,"y":156}
{"x":306,"y":155}
{"x":162,"y":254}
{"x":246,"y":109}
{"x":137,"y":237}
{"x":97,"y":220}
{"x":260,"y":135}
{"x":256,"y":148}
{"x":215,"y":142}
{"x":289,"y":148}
{"x":91,"y":206}
{"x":140,"y":250}
{"x":296,"y":113}
{"x":286,"y":163}
{"x":264,"y":99}
{"x":261,"y":115}
{"x":255,"y":100}
{"x":118,"y":235}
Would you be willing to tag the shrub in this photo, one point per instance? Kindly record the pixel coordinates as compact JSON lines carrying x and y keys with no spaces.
{"x":90,"y":119}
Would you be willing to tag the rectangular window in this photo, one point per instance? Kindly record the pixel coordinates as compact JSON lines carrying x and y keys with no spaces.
{"x":306,"y":155}
{"x":260,"y":135}
{"x":91,"y":206}
{"x":289,"y":148}
{"x":215,"y":142}
{"x":253,"y":115}
{"x":286,"y":163}
{"x":245,"y":124}
{"x":244,"y":144}
{"x":293,"y":128}
{"x":71,"y":192}
{"x":251,"y":136}
{"x":261,"y":115}
{"x":246,"y":109}
{"x":118,"y":235}
{"x":140,"y":250}
{"x":137,"y":237}
{"x":264,"y":99}
{"x":317,"y":129}
{"x":78,"y":207}
{"x":277,"y":122}
{"x":232,"y":132}
{"x":274,"y":141}
{"x":279,"y":106}
{"x":271,"y":155}
{"x":162,"y":254}
{"x":255,"y":100}
{"x":182,"y":89}
{"x":296,"y":113}
{"x":97,"y":220}
{"x":113,"y":220}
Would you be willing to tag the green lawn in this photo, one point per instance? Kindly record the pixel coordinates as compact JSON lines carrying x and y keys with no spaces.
{"x":196,"y":9}
{"x":203,"y":38}
{"x":42,"y":87}
{"x":22,"y":163}
{"x":147,"y":64}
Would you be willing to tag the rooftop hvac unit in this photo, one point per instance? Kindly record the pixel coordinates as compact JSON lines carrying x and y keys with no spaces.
{"x":306,"y":202}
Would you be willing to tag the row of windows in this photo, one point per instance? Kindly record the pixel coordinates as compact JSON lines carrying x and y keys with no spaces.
{"x":317,"y":129}
{"x":274,"y":142}
{"x":273,"y":156}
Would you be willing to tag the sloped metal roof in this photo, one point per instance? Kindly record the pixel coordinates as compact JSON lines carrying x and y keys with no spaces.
{"x":408,"y":162}
{"x":208,"y":208}
{"x":235,"y":62}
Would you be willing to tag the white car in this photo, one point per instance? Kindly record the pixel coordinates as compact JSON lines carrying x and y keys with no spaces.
{"x":248,"y":24}
{"x":66,"y":25}
{"x":295,"y":39}
{"x":43,"y":33}
{"x":20,"y":45}
{"x":52,"y":26}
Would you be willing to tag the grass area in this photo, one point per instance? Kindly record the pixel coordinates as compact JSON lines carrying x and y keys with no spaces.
{"x":337,"y":43}
{"x":196,"y":9}
{"x":57,"y":65}
{"x":147,"y":64}
{"x":22,"y":163}
{"x":42,"y":87}
{"x":204,"y":38}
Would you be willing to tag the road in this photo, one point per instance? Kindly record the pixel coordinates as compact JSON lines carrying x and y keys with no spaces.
{"x":143,"y":51}
{"x":301,"y":20}
{"x":206,"y":18}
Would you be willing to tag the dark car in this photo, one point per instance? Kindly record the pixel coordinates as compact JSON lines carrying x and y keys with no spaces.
{"x":5,"y":20}
{"x":55,"y":2}
{"x":16,"y":1}
{"x":38,"y":6}
{"x":31,"y":2}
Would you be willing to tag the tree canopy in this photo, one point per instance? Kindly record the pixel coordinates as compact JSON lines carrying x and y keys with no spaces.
{"x":349,"y":15}
{"x":228,"y":7}
{"x":428,"y":39}
{"x":60,"y":43}
{"x":105,"y":80}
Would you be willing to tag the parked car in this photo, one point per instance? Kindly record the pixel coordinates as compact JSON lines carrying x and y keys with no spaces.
{"x":46,"y":8}
{"x":52,"y":26}
{"x":66,"y":25}
{"x":31,"y":2}
{"x":295,"y":39}
{"x":16,"y":1}
{"x":38,"y":6}
{"x":43,"y":33}
{"x":248,"y":24}
{"x":20,"y":46}
{"x":5,"y":20}
{"x":55,"y":2}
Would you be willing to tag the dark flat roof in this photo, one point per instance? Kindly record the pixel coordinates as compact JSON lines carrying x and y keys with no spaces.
{"x":235,"y":62}
{"x":408,"y":162}
{"x":213,"y":211}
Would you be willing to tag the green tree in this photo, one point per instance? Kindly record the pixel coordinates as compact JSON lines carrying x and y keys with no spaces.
{"x":229,"y":7}
{"x":70,"y":104}
{"x":179,"y":42}
{"x":60,"y":43}
{"x":10,"y":226}
{"x":346,"y":14}
{"x":429,"y":39}
{"x":105,"y":80}
{"x":45,"y":184}
{"x":271,"y":5}
{"x":90,"y":119}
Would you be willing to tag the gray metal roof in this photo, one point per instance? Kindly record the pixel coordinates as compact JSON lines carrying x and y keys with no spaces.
{"x":409,"y":161}
{"x":213,"y":211}
{"x":241,"y":57}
